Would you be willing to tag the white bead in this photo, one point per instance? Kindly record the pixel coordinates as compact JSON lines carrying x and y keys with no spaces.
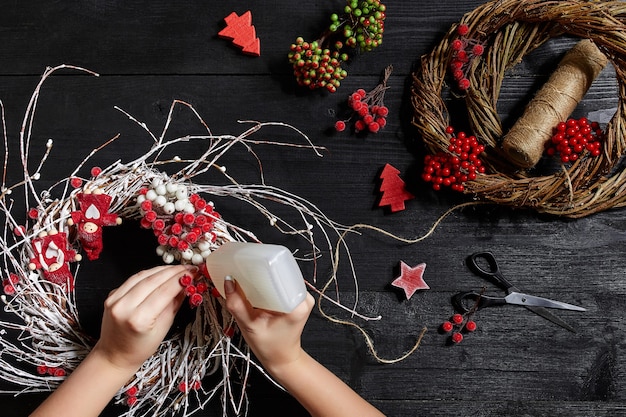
{"x":49,"y":143}
{"x":171,"y":187}
{"x":168,"y":257}
{"x":205,"y":254}
{"x":156,"y":182}
{"x":180,"y":204}
{"x":169,"y":208}
{"x":141,"y":198}
{"x":160,"y":250}
{"x":36,"y":176}
{"x":197,"y":259}
{"x":160,"y":201}
{"x":187,"y":254}
{"x":181,"y":193}
{"x":203,"y":245}
{"x":189,"y":208}
{"x":151,"y":195}
{"x":160,"y":189}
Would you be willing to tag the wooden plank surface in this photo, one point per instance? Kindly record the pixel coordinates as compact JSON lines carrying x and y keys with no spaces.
{"x":151,"y":53}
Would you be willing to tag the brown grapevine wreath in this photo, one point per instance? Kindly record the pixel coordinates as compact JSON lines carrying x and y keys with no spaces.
{"x":42,"y":340}
{"x":505,"y":31}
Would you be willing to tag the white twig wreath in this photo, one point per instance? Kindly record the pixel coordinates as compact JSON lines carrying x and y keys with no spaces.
{"x":41,"y":259}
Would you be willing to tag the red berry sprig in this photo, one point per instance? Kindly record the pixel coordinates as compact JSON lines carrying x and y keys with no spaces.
{"x":9,"y":284}
{"x":464,"y":51}
{"x":457,"y":325}
{"x":317,"y":64}
{"x":453,"y":168}
{"x":195,"y":291}
{"x":571,"y":138}
{"x":368,"y":108}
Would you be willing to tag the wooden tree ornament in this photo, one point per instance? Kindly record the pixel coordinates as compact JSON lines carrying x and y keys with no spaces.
{"x":393,"y":190}
{"x":241,"y":32}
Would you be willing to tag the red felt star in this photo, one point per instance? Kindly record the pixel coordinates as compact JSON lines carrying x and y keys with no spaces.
{"x":411,"y":279}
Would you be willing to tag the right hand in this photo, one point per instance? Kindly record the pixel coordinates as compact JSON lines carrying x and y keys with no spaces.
{"x":273,"y":337}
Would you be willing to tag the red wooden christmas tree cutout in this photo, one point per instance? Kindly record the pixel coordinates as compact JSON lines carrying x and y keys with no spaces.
{"x":394,"y":193}
{"x":241,"y":32}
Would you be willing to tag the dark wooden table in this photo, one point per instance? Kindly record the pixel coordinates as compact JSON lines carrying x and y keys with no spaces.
{"x":149,"y":53}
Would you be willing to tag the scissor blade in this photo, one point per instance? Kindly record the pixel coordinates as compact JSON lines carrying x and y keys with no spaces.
{"x":546,"y":314}
{"x":534,"y":301}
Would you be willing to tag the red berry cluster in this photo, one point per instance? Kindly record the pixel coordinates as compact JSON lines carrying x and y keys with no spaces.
{"x":460,"y":164}
{"x":571,"y":138}
{"x":464,"y":50}
{"x":9,"y":284}
{"x":185,"y":387}
{"x":131,"y":396}
{"x":193,"y":291}
{"x":183,"y":224}
{"x":368,"y":108}
{"x":458,"y":324}
{"x":317,"y":67}
{"x":51,"y":370}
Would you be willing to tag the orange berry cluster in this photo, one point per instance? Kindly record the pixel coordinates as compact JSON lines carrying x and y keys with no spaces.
{"x":460,"y":164}
{"x":464,"y":50}
{"x":571,"y":138}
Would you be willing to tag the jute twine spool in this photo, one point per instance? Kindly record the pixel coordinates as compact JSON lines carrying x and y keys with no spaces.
{"x":554,"y":102}
{"x":509,"y":30}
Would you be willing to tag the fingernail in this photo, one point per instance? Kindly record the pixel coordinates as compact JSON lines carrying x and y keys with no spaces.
{"x":229,"y":285}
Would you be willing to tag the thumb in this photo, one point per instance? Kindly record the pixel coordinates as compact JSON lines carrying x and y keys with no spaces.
{"x":229,"y":286}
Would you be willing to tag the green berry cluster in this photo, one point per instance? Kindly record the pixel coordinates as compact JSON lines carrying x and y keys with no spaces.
{"x":317,"y":64}
{"x":363,"y":24}
{"x":317,"y":67}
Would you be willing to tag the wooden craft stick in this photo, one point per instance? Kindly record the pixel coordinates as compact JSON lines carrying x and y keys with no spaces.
{"x":554,"y":102}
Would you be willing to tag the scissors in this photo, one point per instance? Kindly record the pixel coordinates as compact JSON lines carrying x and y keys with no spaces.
{"x":466,"y":301}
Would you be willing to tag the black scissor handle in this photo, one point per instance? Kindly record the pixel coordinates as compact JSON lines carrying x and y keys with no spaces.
{"x":470,"y":300}
{"x":493,"y":273}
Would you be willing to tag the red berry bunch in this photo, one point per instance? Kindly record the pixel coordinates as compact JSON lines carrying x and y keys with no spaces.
{"x":51,"y":370}
{"x":317,"y":64}
{"x":195,"y":291}
{"x":317,"y":67}
{"x":368,"y":108}
{"x":195,"y":385}
{"x":131,"y":395}
{"x":460,"y":164}
{"x":184,"y":224}
{"x":457,"y":325}
{"x":571,"y":138}
{"x":9,"y":284}
{"x":464,"y":50}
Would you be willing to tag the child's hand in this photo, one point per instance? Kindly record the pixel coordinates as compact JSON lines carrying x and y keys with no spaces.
{"x":273,"y":337}
{"x":138,"y":315}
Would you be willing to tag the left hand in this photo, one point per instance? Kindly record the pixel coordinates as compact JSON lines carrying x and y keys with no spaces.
{"x":138,"y":315}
